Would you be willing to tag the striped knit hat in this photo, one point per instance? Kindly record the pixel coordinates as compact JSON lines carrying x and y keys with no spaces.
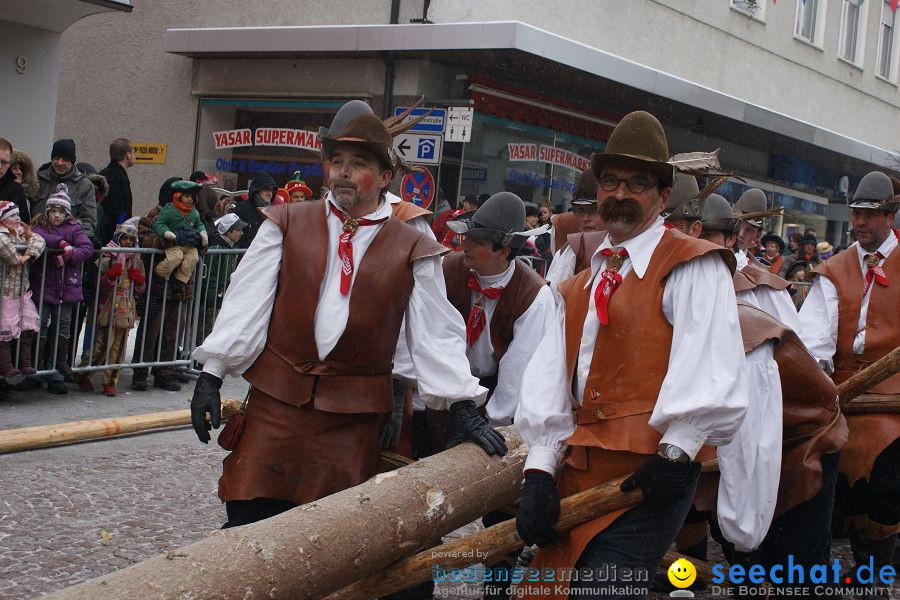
{"x":8,"y":210}
{"x":59,"y":199}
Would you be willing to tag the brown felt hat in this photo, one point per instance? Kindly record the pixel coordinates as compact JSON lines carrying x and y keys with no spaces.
{"x":638,"y":136}
{"x":355,"y":123}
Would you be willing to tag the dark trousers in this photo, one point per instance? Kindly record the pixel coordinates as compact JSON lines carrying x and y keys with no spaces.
{"x":803,"y":532}
{"x":637,"y":540}
{"x":172,"y":323}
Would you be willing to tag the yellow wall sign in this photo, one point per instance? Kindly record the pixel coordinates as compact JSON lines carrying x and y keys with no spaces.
{"x":149,"y":154}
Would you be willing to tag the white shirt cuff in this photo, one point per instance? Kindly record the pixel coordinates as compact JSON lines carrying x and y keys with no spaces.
{"x":685,"y":436}
{"x":214,"y":366}
{"x":543,"y":458}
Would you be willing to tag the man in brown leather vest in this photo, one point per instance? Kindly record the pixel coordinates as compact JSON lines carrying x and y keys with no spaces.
{"x":507,"y":306}
{"x":577,"y":234}
{"x":311,"y":320}
{"x":813,"y":430}
{"x":613,"y":386}
{"x":850,"y":319}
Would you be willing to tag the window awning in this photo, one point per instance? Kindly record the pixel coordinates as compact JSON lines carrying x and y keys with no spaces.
{"x":507,"y":35}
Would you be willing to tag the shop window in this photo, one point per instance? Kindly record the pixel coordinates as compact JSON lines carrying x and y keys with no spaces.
{"x":751,"y":8}
{"x":538,"y":164}
{"x":240,"y":137}
{"x":886,"y":66}
{"x":809,"y":24}
{"x":853,"y":30}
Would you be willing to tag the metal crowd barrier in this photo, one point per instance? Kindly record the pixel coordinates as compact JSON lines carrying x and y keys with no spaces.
{"x":192,"y":321}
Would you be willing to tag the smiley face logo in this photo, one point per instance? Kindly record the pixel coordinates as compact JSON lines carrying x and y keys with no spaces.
{"x":682,"y":573}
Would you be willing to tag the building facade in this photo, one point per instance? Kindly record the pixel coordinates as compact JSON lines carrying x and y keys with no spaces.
{"x":31,"y":33}
{"x":801,"y":96}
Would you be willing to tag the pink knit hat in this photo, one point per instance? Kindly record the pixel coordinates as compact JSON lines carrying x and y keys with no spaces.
{"x":59,"y":199}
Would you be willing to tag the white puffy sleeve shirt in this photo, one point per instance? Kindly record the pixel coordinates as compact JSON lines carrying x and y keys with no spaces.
{"x":435,"y":332}
{"x":819,"y":313}
{"x":703,"y":398}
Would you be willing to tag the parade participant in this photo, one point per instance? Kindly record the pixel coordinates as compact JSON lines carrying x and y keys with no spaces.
{"x":659,"y":308}
{"x":578,"y":234}
{"x":753,"y":283}
{"x":750,"y":208}
{"x":849,"y":320}
{"x":498,"y":295}
{"x":507,"y":307}
{"x":771,"y":290}
{"x":789,"y":394}
{"x":684,"y":208}
{"x":773,"y":246}
{"x":297,"y":188}
{"x":311,"y":321}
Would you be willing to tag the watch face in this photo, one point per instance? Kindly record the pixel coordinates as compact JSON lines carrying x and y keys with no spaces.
{"x":672,"y":452}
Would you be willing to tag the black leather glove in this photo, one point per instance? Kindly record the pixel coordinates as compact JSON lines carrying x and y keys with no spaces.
{"x":466,"y":425}
{"x":662,"y":481}
{"x":186,"y":236}
{"x":538,"y":510}
{"x":390,"y":432}
{"x":206,"y":399}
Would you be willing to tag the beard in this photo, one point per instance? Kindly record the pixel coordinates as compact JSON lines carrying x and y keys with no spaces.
{"x":626,"y":212}
{"x":346,"y":195}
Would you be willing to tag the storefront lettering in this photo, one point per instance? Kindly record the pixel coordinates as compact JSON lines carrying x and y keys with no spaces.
{"x":268,"y":136}
{"x":292,"y":138}
{"x":518,"y":151}
{"x":564,"y":158}
{"x":233,"y":138}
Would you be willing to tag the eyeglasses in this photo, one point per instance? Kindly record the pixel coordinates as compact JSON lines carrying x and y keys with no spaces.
{"x":635,"y":185}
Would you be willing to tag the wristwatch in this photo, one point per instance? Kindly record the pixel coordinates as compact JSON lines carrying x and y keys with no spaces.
{"x":673,"y":453}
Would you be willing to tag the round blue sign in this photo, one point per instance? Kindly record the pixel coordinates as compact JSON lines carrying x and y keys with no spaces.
{"x":418,"y":187}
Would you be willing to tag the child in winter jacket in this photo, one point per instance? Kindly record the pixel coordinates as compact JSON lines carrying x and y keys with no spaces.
{"x":174,"y":216}
{"x":57,"y":278}
{"x":18,"y":314}
{"x":121,"y":278}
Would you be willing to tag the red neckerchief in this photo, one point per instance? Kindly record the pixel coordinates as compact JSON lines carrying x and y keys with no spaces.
{"x":873,"y":271}
{"x":345,"y":244}
{"x":476,"y":321}
{"x":609,"y":281}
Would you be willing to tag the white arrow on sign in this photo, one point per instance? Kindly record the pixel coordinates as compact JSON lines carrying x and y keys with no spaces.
{"x":459,"y":120}
{"x":419,"y":148}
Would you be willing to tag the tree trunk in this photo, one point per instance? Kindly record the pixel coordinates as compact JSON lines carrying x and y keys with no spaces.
{"x":487,"y":545}
{"x":873,"y":403}
{"x":320,"y":547}
{"x":29,"y":438}
{"x":862,"y":381}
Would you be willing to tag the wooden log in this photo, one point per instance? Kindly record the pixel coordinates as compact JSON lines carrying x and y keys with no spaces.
{"x":315,"y":549}
{"x":487,"y":545}
{"x":44,"y":436}
{"x":862,"y":381}
{"x":873,"y":403}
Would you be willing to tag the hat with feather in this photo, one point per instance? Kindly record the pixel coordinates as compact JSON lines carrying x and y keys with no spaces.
{"x":355,"y":123}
